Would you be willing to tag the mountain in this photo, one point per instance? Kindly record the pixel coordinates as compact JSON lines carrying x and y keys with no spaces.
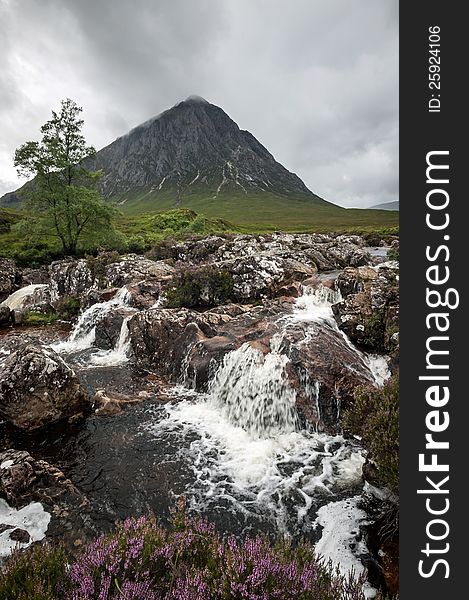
{"x":386,"y":206}
{"x":192,"y":153}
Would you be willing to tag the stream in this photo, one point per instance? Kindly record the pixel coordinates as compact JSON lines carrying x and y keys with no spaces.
{"x":238,"y":452}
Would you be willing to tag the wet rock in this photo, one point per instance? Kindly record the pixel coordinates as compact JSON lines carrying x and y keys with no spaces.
{"x":161,"y":338}
{"x":188,"y":346}
{"x":146,"y":293}
{"x":9,"y":278}
{"x":108,"y":329}
{"x":37,"y":389}
{"x":4,"y":315}
{"x":369,"y":313}
{"x":107,"y":405}
{"x":24,"y":480}
{"x":20,"y":535}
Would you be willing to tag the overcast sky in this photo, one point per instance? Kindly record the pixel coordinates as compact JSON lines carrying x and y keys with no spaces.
{"x":316,"y":81}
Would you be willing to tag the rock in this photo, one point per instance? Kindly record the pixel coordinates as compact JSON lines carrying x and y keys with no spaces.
{"x":161,"y":338}
{"x":20,"y":535}
{"x":9,"y":278}
{"x":369,"y":313}
{"x":29,"y":276}
{"x":262,"y":276}
{"x":108,"y":329}
{"x":24,"y":480}
{"x":134,"y":268}
{"x":187,"y":346}
{"x":107,"y":406}
{"x":145,"y":293}
{"x":321,"y":252}
{"x":5,"y":316}
{"x":70,"y":277}
{"x":37,"y":389}
{"x":88,"y":278}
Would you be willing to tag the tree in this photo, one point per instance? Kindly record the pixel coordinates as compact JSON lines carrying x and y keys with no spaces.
{"x":63,"y":194}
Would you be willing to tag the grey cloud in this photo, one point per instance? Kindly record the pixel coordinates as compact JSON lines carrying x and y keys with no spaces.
{"x":315,"y":81}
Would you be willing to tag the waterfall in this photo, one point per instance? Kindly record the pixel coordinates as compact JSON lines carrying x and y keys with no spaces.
{"x":315,"y":305}
{"x":84,"y":332}
{"x":252,"y":392}
{"x":117,"y":355}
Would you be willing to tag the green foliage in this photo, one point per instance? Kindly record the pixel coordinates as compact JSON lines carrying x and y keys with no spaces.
{"x":37,"y":318}
{"x":97,"y":265}
{"x":62,"y":195}
{"x":33,"y":574}
{"x":393,"y":254}
{"x":8,"y":218}
{"x":200,"y":287}
{"x":68,"y":307}
{"x":373,"y":238}
{"x":374,"y":333}
{"x":375,"y":417}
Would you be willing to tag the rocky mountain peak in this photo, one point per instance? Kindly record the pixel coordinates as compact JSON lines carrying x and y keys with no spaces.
{"x":192,"y":152}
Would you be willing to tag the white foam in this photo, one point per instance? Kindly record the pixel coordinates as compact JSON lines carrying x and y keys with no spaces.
{"x":340,"y":541}
{"x":84,"y":332}
{"x":118,"y":355}
{"x":33,"y":518}
{"x":257,"y":475}
{"x":253,"y":392}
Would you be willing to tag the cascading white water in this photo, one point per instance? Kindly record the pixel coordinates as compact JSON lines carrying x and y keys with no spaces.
{"x":248,"y":453}
{"x":315,"y":305}
{"x":253,"y":393}
{"x":84,"y":332}
{"x":117,"y":355}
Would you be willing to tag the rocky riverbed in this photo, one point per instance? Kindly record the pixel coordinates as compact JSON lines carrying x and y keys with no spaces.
{"x":216,"y":369}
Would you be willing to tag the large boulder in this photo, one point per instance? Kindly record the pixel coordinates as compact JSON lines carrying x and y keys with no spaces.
{"x":71,"y":278}
{"x":321,"y":368}
{"x":369,"y":311}
{"x":263,"y":276}
{"x":37,"y":389}
{"x":24,"y":480}
{"x":87,"y":278}
{"x":133,"y":268}
{"x":9,"y":278}
{"x":161,"y":338}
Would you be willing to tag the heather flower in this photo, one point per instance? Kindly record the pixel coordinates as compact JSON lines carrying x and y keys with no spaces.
{"x":189,"y":560}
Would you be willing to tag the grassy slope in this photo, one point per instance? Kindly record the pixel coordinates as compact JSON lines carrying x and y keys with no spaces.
{"x":143,"y":222}
{"x":263,"y":212}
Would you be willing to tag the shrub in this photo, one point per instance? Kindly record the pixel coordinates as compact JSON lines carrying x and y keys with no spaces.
{"x":373,"y":238}
{"x":189,"y":560}
{"x":68,"y":307}
{"x":37,"y":318}
{"x":33,"y":574}
{"x":97,"y":265}
{"x":393,"y":254}
{"x":375,"y":417}
{"x":203,"y":287}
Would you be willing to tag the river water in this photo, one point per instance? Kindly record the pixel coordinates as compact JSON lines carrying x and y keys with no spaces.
{"x":237,"y":453}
